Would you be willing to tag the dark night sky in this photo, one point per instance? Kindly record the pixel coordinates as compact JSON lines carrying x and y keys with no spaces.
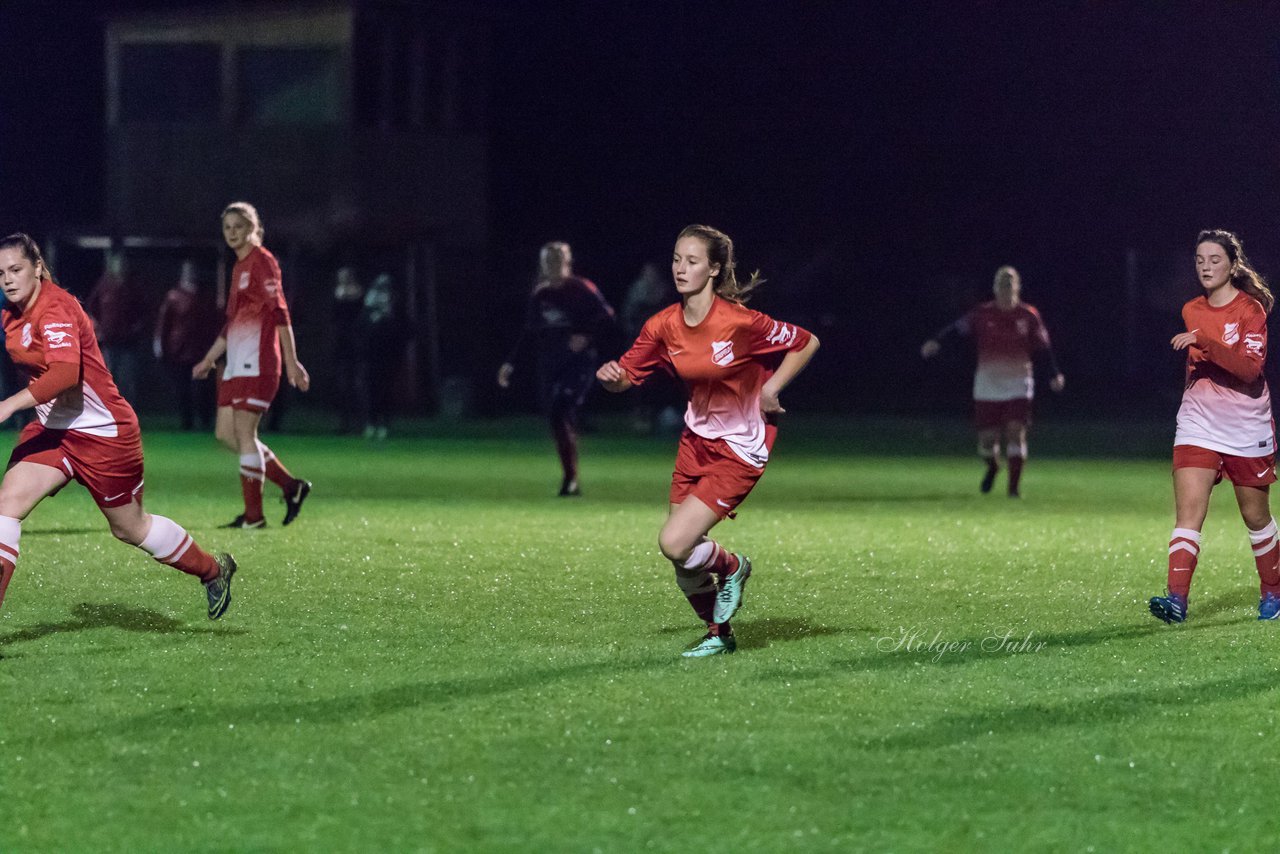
{"x":909,"y":147}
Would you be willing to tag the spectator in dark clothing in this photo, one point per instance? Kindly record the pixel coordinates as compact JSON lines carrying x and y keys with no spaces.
{"x":120,"y":319}
{"x":381,"y":336}
{"x":350,"y":394}
{"x":186,"y":327}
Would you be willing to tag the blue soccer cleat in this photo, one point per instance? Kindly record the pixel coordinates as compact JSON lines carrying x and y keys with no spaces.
{"x":712,"y":645}
{"x":729,"y":597}
{"x":1171,"y":608}
{"x":1269,"y":607}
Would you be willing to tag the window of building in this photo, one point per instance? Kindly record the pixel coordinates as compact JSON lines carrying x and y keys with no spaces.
{"x":290,"y":85}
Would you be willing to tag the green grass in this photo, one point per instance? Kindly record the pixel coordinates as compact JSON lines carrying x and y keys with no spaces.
{"x":442,"y":656}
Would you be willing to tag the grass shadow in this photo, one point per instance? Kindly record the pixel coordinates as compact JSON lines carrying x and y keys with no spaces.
{"x":1239,"y":599}
{"x":86,"y":616}
{"x":1035,"y":718}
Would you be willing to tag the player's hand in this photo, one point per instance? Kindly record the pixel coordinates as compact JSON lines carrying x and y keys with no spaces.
{"x":769,"y":403}
{"x":1057,"y":383}
{"x":201,"y":369}
{"x":578,"y":342}
{"x":504,"y":374}
{"x":612,"y":377}
{"x":929,"y":349}
{"x":1183,"y":340}
{"x":298,"y":376}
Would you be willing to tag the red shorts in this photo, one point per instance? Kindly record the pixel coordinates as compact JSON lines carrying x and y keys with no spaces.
{"x":110,"y":467}
{"x":251,"y":394}
{"x":995,"y":414}
{"x":1242,"y":471}
{"x":711,"y":472}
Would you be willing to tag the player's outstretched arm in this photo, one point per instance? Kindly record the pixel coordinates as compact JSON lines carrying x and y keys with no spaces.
{"x":612,"y":377}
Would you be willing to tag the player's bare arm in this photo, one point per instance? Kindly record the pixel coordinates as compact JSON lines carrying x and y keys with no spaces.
{"x":201,"y":369}
{"x":293,"y":369}
{"x":612,"y":377}
{"x":792,"y":364}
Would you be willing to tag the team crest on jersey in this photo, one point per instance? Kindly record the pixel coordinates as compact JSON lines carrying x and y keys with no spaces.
{"x":722,"y":352}
{"x":1231,"y":333}
{"x":26,"y":335}
{"x":1021,"y":326}
{"x":244,"y":280}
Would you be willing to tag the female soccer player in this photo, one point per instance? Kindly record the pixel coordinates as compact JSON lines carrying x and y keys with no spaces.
{"x":257,"y":333}
{"x":1008,"y":333}
{"x":734,"y":363}
{"x":1224,"y":424}
{"x":567,"y":315}
{"x":85,"y":430}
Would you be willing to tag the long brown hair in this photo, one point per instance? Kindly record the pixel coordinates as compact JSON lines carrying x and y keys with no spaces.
{"x":1243,"y":276}
{"x":720,"y":251}
{"x":23,"y":241}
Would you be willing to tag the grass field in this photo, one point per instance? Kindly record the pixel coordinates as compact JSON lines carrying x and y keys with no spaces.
{"x":442,"y":656}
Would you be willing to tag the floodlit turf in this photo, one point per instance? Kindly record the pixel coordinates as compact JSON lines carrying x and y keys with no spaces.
{"x":440,"y":655}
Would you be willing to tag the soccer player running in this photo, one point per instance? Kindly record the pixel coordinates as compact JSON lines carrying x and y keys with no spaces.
{"x":84,"y":429}
{"x":734,"y":363}
{"x":567,"y":315}
{"x":1008,"y":333}
{"x":1225,"y":425}
{"x":256,"y":336}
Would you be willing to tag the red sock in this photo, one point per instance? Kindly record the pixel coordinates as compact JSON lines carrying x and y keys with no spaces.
{"x":170,"y":544}
{"x":704,"y":604}
{"x":7,"y":567}
{"x":1265,"y":556}
{"x":1184,"y":551}
{"x":1015,"y":474}
{"x":275,"y":472}
{"x":710,"y":556}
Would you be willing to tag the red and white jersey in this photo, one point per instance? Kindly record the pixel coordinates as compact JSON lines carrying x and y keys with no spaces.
{"x":255,"y":307}
{"x":1226,"y":405}
{"x":55,"y":328}
{"x":723,"y":361}
{"x":1006,"y":341}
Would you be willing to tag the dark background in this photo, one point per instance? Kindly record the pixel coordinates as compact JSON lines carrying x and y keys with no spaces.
{"x":876,"y":161}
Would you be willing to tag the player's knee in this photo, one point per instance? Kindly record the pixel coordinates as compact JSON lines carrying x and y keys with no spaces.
{"x":128,"y":532}
{"x":675,"y":546}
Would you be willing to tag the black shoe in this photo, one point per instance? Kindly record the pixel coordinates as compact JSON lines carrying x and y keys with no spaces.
{"x":570,"y":489}
{"x":293,"y":499}
{"x":219,"y":589}
{"x":241,"y":522}
{"x":989,"y":479}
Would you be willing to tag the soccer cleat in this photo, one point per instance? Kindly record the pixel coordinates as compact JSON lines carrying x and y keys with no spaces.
{"x":570,"y":489}
{"x":298,"y":492}
{"x":1171,"y":608}
{"x":1269,"y":607}
{"x":729,"y":597}
{"x":241,"y":522}
{"x":711,"y":645}
{"x":219,"y":589}
{"x":989,"y":479}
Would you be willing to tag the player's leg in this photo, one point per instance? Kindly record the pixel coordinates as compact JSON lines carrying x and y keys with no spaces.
{"x":24,"y":486}
{"x":244,"y":424}
{"x":989,"y":451}
{"x":224,"y":428}
{"x":1015,"y":451}
{"x":698,"y":560}
{"x":1255,"y":510}
{"x":170,"y":544}
{"x":1192,"y":487}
